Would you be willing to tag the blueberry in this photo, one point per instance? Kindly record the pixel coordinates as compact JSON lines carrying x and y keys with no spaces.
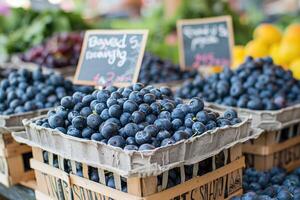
{"x":79,"y":122}
{"x":198,"y":128}
{"x":223,"y":122}
{"x":125,"y":118}
{"x":156,"y":108}
{"x":211,"y":125}
{"x":137,"y":86}
{"x":131,"y":129}
{"x":202,"y":117}
{"x":163,"y":124}
{"x":255,"y":104}
{"x":152,"y":130}
{"x":109,"y":130}
{"x":161,"y":135}
{"x":104,"y":114}
{"x":235,"y":121}
{"x":87,"y":132}
{"x":236,"y":90}
{"x":130,"y":106}
{"x":177,"y":113}
{"x":145,"y":108}
{"x":102,"y":96}
{"x":61,"y":129}
{"x":131,"y":147}
{"x":97,"y":136}
{"x":196,"y":105}
{"x":136,"y":97}
{"x":165,"y":115}
{"x":180,"y":135}
{"x":86,"y":111}
{"x":130,"y":141}
{"x":56,"y":121}
{"x":284,"y":195}
{"x":176,"y":123}
{"x":149,"y":98}
{"x":230,"y":114}
{"x":167,"y":141}
{"x":151,"y":118}
{"x":155,"y":142}
{"x":146,"y":147}
{"x":142,"y":137}
{"x":93,"y":121}
{"x":67,"y":102}
{"x":115,"y":111}
{"x":166,"y":91}
{"x":87,"y":99}
{"x":168,"y":106}
{"x":188,"y":122}
{"x":72,"y":131}
{"x":99,"y":107}
{"x":138,"y":117}
{"x":117,"y":141}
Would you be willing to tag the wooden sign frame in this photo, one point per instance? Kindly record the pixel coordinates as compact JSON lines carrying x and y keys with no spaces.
{"x":180,"y":23}
{"x":143,"y":32}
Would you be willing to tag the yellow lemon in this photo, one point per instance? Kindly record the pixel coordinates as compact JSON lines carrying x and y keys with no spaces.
{"x":289,"y":51}
{"x":238,"y":51}
{"x":295,"y":68}
{"x":256,"y":49}
{"x":292,"y":33}
{"x":268,"y":33}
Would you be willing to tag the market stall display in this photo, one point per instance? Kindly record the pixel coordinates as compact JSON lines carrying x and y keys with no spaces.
{"x":25,"y":94}
{"x":136,"y":124}
{"x":267,"y":93}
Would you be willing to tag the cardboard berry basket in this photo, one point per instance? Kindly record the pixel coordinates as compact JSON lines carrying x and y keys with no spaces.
{"x":279,"y":145}
{"x":66,"y":71}
{"x":218,"y":177}
{"x":135,"y":163}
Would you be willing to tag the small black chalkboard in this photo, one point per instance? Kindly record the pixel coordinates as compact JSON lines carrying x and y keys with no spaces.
{"x":111,"y":57}
{"x":205,"y":42}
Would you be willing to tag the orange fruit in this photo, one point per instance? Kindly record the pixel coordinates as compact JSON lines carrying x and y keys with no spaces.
{"x":256,"y":48}
{"x":292,"y":33}
{"x":295,"y":68}
{"x":268,"y":33}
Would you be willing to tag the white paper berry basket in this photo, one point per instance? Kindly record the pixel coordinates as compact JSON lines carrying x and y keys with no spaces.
{"x":136,"y":163}
{"x":268,"y":120}
{"x":13,"y":122}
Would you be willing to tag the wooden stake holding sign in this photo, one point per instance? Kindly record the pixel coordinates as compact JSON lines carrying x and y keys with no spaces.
{"x":111,"y":57}
{"x":205,"y":42}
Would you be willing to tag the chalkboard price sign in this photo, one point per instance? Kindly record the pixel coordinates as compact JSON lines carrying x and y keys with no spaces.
{"x":205,"y":42}
{"x":111,"y":57}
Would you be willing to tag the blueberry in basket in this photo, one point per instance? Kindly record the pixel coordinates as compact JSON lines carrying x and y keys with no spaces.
{"x":23,"y":90}
{"x":258,"y":84}
{"x":137,"y":117}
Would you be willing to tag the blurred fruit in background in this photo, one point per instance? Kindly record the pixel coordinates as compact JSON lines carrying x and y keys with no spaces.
{"x":60,"y":50}
{"x":269,"y":40}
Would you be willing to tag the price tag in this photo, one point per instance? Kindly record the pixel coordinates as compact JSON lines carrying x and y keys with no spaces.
{"x":111,"y":57}
{"x":205,"y":42}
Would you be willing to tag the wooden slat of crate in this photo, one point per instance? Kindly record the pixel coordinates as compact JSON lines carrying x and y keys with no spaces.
{"x":222,"y":176}
{"x":12,"y":169}
{"x":266,"y":151}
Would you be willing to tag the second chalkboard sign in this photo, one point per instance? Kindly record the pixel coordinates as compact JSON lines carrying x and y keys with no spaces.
{"x":111,"y":57}
{"x":205,"y":42}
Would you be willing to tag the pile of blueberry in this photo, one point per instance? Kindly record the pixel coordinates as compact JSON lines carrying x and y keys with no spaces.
{"x":257,"y":85}
{"x":134,"y":117}
{"x":25,"y":90}
{"x":156,"y":70}
{"x":270,"y":185}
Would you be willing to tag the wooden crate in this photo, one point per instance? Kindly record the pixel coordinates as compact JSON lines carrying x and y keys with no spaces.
{"x":219,"y":179}
{"x":279,"y":148}
{"x":14,"y":161}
